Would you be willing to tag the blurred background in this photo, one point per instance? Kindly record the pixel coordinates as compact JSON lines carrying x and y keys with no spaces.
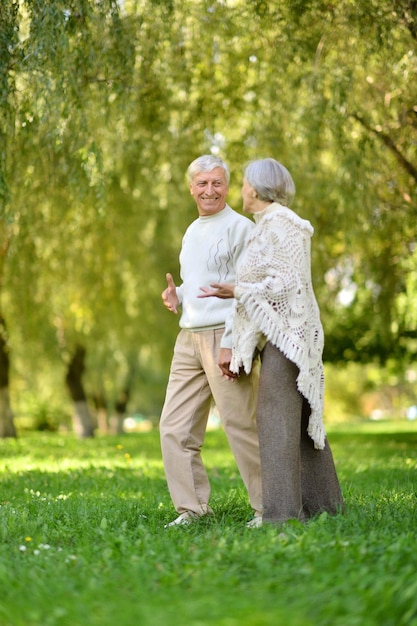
{"x":104,"y":103}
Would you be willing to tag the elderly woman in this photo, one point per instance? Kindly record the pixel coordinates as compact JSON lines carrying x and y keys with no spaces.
{"x":276,"y":313}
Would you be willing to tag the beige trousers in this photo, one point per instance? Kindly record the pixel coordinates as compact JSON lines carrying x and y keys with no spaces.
{"x":194,"y":382}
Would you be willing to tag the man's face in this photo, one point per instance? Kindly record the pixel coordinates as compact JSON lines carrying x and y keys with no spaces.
{"x":209,"y":190}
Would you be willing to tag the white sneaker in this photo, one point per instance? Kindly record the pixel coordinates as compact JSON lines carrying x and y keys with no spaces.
{"x":255,"y":522}
{"x":182,"y":520}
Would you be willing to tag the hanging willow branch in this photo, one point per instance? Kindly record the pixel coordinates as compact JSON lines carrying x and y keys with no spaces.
{"x":386,"y":139}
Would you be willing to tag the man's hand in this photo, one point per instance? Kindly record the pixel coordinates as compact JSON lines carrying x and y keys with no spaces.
{"x":225,"y":356}
{"x":169,"y":295}
{"x":223,"y":291}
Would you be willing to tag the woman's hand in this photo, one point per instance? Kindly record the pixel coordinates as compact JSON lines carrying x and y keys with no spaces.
{"x":225,"y":356}
{"x":218,"y":290}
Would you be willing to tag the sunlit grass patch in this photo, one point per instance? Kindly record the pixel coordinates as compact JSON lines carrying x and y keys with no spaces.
{"x":82,"y":539}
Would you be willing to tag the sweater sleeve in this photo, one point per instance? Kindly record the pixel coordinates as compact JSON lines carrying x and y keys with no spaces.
{"x":179,"y":291}
{"x":237,"y":248}
{"x":227,"y":339}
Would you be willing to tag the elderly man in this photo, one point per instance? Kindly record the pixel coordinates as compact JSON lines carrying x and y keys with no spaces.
{"x":210,"y":251}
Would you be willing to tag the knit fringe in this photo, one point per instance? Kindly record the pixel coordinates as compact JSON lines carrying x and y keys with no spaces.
{"x":312,"y":388}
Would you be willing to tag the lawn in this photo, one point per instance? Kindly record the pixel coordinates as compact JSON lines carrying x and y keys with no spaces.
{"x":83,"y":540}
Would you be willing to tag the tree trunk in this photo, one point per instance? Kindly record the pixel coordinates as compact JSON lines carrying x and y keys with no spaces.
{"x":116,"y":422}
{"x":101,"y":412}
{"x":7,"y":427}
{"x":82,"y":419}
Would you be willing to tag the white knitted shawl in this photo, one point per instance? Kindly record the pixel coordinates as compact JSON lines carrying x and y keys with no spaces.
{"x":275,"y":299}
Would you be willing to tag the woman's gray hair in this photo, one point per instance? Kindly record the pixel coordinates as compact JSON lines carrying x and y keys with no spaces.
{"x":206,"y":163}
{"x":271,"y":181}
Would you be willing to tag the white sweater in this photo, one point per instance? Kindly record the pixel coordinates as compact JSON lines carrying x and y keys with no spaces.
{"x":211,"y":247}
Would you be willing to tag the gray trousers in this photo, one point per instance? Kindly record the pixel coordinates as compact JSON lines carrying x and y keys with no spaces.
{"x":298,"y":481}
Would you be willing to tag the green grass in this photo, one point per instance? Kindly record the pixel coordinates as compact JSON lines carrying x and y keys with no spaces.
{"x":82,"y":539}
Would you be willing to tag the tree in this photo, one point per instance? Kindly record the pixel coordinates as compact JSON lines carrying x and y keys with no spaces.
{"x":104,"y":104}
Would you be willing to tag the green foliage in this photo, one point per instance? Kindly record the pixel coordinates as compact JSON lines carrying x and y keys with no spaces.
{"x":82,"y":539}
{"x":355,"y":392}
{"x":37,"y":414}
{"x":104,"y":104}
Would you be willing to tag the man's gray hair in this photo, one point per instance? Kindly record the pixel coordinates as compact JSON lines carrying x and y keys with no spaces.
{"x":271,"y":181}
{"x":207,"y":163}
